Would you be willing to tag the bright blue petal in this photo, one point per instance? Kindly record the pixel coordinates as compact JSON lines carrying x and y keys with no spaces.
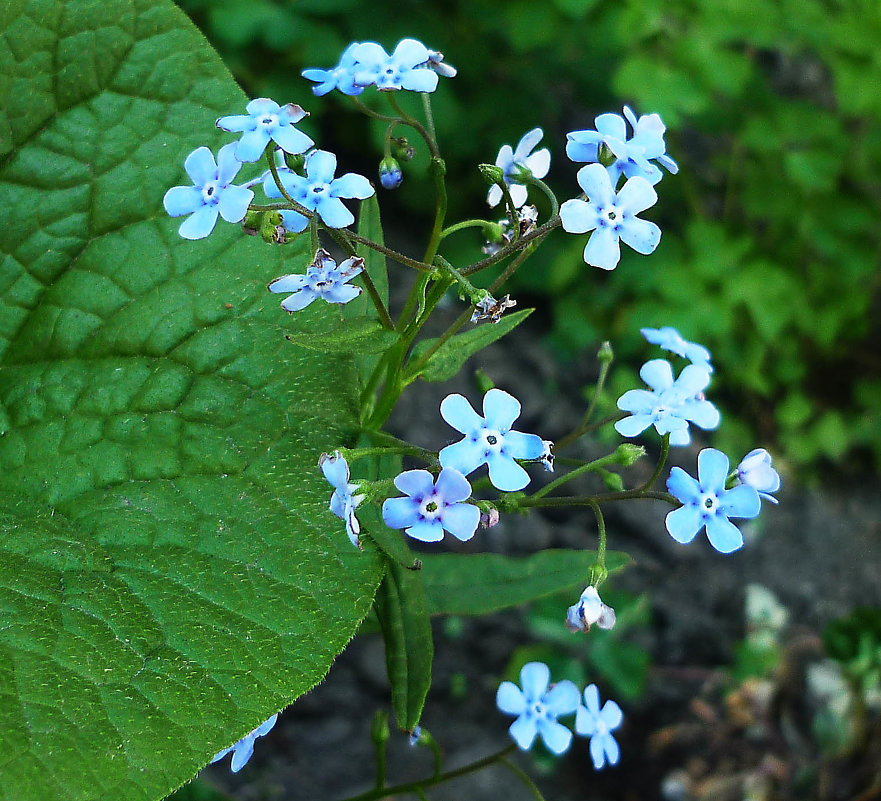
{"x":252,"y":144}
{"x":351,"y":185}
{"x":742,"y":501}
{"x":585,"y":722}
{"x":658,"y":374}
{"x":427,"y":531}
{"x":523,"y":730}
{"x":415,"y":483}
{"x":180,"y":200}
{"x":523,"y":446}
{"x":509,"y":699}
{"x":264,"y":728}
{"x":692,"y":380}
{"x":581,"y":147}
{"x":505,"y":474}
{"x":539,"y":163}
{"x":459,"y":413}
{"x":635,"y":196}
{"x":712,"y":470}
{"x":555,"y":735}
{"x":220,"y":755}
{"x":683,"y":486}
{"x":228,"y":165}
{"x":233,"y":203}
{"x":643,"y":236}
{"x":592,"y":700}
{"x":527,"y":144}
{"x":597,"y":184}
{"x":320,"y":166}
{"x":262,"y":105}
{"x":684,"y":523}
{"x":400,"y":512}
{"x":342,"y":293}
{"x":723,"y":535}
{"x":293,"y":221}
{"x":299,"y":300}
{"x":611,"y":715}
{"x":419,"y":80}
{"x":452,"y":486}
{"x":610,"y":746}
{"x":461,"y":520}
{"x":634,"y":426}
{"x":242,"y":752}
{"x":562,"y":699}
{"x":638,"y":401}
{"x":237,"y":123}
{"x":602,"y":249}
{"x":409,"y":53}
{"x":291,"y":140}
{"x":500,"y":409}
{"x":199,"y":224}
{"x":701,"y":413}
{"x":534,"y":679}
{"x":597,"y":751}
{"x":336,"y":471}
{"x":611,"y":125}
{"x":200,"y":166}
{"x":577,"y":216}
{"x":334,"y":213}
{"x":465,"y":456}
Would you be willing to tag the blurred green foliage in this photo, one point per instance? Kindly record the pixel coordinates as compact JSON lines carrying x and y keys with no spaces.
{"x":771,"y":238}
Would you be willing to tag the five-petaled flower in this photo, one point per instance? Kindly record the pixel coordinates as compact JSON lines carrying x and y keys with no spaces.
{"x":403,"y":69}
{"x":319,"y":191}
{"x":342,"y":503}
{"x":632,"y":156}
{"x":670,"y":339}
{"x":671,"y":405}
{"x":242,"y":750}
{"x":588,"y":611}
{"x":598,"y":724}
{"x":611,"y":216}
{"x":430,"y":507}
{"x":755,"y":471}
{"x":323,"y":279}
{"x":341,"y":77}
{"x":489,"y":439}
{"x":537,"y":707}
{"x":212,"y":193}
{"x":266,"y":121}
{"x":516,"y":164}
{"x":706,"y":502}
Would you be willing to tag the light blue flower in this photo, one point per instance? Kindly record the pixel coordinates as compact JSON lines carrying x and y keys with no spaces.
{"x":266,"y":121}
{"x":242,"y":750}
{"x":671,"y":405}
{"x":430,"y":507}
{"x":632,"y":156}
{"x":598,"y":724}
{"x":342,"y":503}
{"x":537,"y":707}
{"x":489,"y":439}
{"x":669,"y":339}
{"x":611,"y":216}
{"x":706,"y":503}
{"x":341,"y":77}
{"x":408,"y":67}
{"x":212,"y":193}
{"x":323,"y":279}
{"x":755,"y":471}
{"x":319,"y":191}
{"x":514,"y":162}
{"x":590,"y":610}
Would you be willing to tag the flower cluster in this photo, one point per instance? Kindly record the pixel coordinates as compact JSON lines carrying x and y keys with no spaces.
{"x":410,"y":66}
{"x":324,"y":279}
{"x":538,"y":704}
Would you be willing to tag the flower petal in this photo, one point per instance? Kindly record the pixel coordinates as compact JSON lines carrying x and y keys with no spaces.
{"x":519,"y":194}
{"x":252,"y":144}
{"x":335,"y":470}
{"x":409,"y":53}
{"x":597,"y":751}
{"x":613,"y":751}
{"x":299,"y":300}
{"x":712,"y":470}
{"x":461,"y":520}
{"x":740,"y":502}
{"x":523,"y":446}
{"x":452,"y":486}
{"x":180,"y":200}
{"x":611,"y":715}
{"x":427,"y":531}
{"x":199,"y":224}
{"x":291,"y":140}
{"x":459,"y":413}
{"x":233,"y":203}
{"x":237,"y":123}
{"x":562,"y":699}
{"x":351,"y":185}
{"x":597,"y":184}
{"x":534,"y":679}
{"x":500,"y":409}
{"x":723,"y":535}
{"x":683,"y":486}
{"x":611,"y":125}
{"x":527,"y":144}
{"x":539,"y":163}
{"x":419,"y":80}
{"x":658,"y":374}
{"x":602,"y":249}
{"x":228,"y":165}
{"x":585,"y":722}
{"x":242,"y":752}
{"x":634,"y":426}
{"x":400,"y":512}
{"x":200,"y":166}
{"x":262,"y":105}
{"x":505,"y":474}
{"x":465,"y":456}
{"x":638,"y":401}
{"x":592,"y":700}
{"x":494,"y":196}
{"x":701,"y":413}
{"x":415,"y":483}
{"x":293,"y":221}
{"x":635,"y":196}
{"x":555,"y":735}
{"x":684,"y":523}
{"x":523,"y":730}
{"x":643,"y":236}
{"x":320,"y":166}
{"x":509,"y":698}
{"x":334,"y":213}
{"x":342,"y":293}
{"x":577,"y":216}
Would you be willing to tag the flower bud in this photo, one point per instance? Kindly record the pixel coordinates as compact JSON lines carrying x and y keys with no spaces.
{"x":613,"y":482}
{"x":489,"y":518}
{"x":401,"y":148}
{"x":390,"y":175}
{"x":271,"y":228}
{"x":605,"y":353}
{"x":492,"y":174}
{"x":629,"y":454}
{"x":379,"y":730}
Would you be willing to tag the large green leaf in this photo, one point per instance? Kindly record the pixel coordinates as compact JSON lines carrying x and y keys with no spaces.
{"x":170,"y":573}
{"x":477,"y":584}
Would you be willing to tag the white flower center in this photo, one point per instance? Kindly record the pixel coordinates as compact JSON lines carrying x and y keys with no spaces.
{"x":601,"y":728}
{"x":430,"y":508}
{"x":709,"y":503}
{"x":536,"y":710}
{"x":210,"y":192}
{"x":492,"y":440}
{"x":611,"y":216}
{"x":268,"y":120}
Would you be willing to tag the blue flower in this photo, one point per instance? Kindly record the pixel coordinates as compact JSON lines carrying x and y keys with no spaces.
{"x":323,"y":279}
{"x":431,"y":508}
{"x":267,"y":120}
{"x":212,"y":192}
{"x":342,"y":503}
{"x":537,"y":707}
{"x":341,"y":77}
{"x":319,"y":191}
{"x":611,"y":216}
{"x":242,"y":750}
{"x":669,"y":339}
{"x":598,"y":724}
{"x":589,"y":610}
{"x":755,"y":471}
{"x":671,"y":405}
{"x":515,"y":162}
{"x":632,"y":156}
{"x":489,"y":439}
{"x":436,"y":62}
{"x":706,"y":502}
{"x":403,"y":69}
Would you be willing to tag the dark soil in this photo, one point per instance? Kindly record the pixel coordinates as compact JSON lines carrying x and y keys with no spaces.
{"x":819,"y":551}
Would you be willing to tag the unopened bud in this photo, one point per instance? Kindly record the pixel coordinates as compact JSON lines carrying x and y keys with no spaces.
{"x":401,"y":149}
{"x":605,"y":353}
{"x":271,"y":228}
{"x":390,"y":175}
{"x":489,"y":518}
{"x":492,"y":174}
{"x":613,"y":482}
{"x":379,"y":730}
{"x":629,"y":454}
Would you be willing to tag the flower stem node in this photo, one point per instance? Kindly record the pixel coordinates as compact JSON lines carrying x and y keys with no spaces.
{"x":627,"y":454}
{"x":390,"y":175}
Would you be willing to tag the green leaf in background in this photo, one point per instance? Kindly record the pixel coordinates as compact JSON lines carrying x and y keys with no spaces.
{"x":333,"y":334}
{"x":409,"y":649}
{"x":476,"y":584}
{"x":170,"y":574}
{"x":449,"y":357}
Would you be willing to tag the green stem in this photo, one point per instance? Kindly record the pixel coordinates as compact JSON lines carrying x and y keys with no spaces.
{"x":438,"y":171}
{"x":587,"y":500}
{"x":384,"y":317}
{"x":429,"y":116}
{"x":363,"y":107}
{"x":460,"y":226}
{"x":415,"y":787}
{"x":503,"y":253}
{"x":662,"y":460}
{"x":601,"y":533}
{"x":611,"y":458}
{"x":548,"y":192}
{"x":524,"y":777}
{"x":270,"y":157}
{"x":415,"y":124}
{"x":582,"y":429}
{"x":392,"y":443}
